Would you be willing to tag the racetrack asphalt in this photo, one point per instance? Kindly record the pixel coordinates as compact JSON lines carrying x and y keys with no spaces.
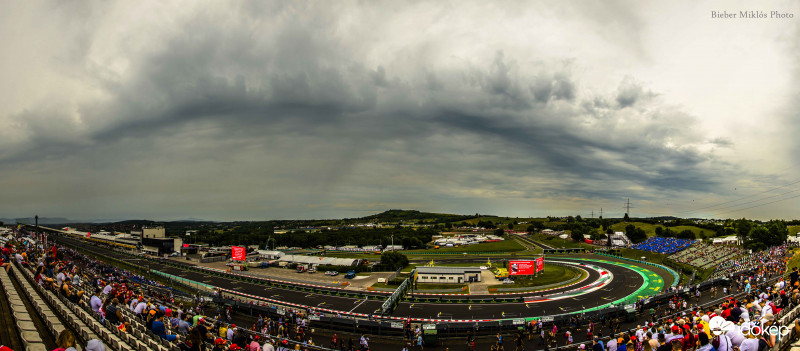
{"x":625,"y":282}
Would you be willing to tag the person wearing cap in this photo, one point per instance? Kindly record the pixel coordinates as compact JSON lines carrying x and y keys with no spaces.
{"x":201,"y":327}
{"x":674,"y":332}
{"x":151,"y":316}
{"x":219,"y":344}
{"x":234,"y":347}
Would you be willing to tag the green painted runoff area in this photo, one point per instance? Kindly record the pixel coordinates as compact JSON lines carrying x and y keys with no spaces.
{"x":653,"y":283}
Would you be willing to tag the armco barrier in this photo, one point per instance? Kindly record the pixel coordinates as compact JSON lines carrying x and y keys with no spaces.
{"x":184,"y":281}
{"x":459,"y":253}
{"x":675,"y":277}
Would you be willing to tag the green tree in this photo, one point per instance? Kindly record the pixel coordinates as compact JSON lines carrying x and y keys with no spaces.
{"x":510,"y":226}
{"x":626,"y":218}
{"x":743,"y":229}
{"x":686,"y":234}
{"x":778,"y":232}
{"x":629,"y":229}
{"x":636,"y":235}
{"x":659,"y":231}
{"x":499,"y":232}
{"x":759,"y":238}
{"x":577,"y":234}
{"x":596,"y":234}
{"x":394,"y":259}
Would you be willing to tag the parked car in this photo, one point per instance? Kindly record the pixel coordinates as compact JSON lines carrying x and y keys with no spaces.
{"x":508,"y":281}
{"x":350,"y":275}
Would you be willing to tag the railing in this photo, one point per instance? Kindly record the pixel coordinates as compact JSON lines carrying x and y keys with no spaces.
{"x":391,"y":302}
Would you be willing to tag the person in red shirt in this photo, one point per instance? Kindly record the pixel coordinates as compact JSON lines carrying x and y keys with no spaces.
{"x":726,"y":312}
{"x":689,"y":339}
{"x":5,"y":258}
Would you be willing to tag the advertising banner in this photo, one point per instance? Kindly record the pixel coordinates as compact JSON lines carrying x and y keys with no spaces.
{"x":521,"y":267}
{"x":540,"y":264}
{"x":237,"y":253}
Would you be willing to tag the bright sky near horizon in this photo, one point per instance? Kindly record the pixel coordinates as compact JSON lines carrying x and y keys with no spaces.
{"x":323,"y":109}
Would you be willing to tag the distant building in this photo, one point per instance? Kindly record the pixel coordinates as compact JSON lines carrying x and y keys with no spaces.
{"x":453,"y":275}
{"x":270,"y":255}
{"x":154,"y":233}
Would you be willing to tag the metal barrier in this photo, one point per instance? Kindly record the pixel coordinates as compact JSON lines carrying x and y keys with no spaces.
{"x":390,"y":303}
{"x":213,"y":259}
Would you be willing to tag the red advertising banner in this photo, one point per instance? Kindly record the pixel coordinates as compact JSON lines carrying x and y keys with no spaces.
{"x":540,"y":264}
{"x":521,"y":267}
{"x":237,"y":253}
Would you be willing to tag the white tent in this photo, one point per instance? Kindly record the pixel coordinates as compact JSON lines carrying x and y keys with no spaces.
{"x":726,"y":240}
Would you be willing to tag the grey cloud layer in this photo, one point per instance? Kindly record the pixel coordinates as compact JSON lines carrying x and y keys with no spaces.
{"x":233,"y":116}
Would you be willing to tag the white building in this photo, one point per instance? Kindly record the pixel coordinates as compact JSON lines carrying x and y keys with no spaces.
{"x":453,"y":275}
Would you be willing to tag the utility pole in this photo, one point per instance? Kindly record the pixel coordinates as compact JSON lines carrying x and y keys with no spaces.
{"x":601,"y":212}
{"x":628,"y":207}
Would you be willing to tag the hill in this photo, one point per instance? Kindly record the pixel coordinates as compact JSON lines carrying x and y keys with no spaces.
{"x":415,"y":216}
{"x":42,"y":220}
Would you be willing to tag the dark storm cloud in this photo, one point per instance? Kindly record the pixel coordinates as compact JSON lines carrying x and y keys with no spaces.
{"x":301,"y":110}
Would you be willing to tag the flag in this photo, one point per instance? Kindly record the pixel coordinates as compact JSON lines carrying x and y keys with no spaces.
{"x":54,"y":250}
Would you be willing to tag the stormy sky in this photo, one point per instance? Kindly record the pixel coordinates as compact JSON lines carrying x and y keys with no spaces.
{"x":323,"y":109}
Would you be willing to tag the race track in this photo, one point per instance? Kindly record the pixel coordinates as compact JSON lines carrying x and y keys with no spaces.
{"x":628,"y":279}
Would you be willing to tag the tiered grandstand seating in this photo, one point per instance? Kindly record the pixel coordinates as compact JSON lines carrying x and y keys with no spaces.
{"x":707,"y":255}
{"x":663,"y":245}
{"x":30,"y":337}
{"x":77,"y":318}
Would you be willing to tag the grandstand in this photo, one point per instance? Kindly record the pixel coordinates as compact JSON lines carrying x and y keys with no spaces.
{"x":34,"y":312}
{"x":663,"y":245}
{"x":705,"y":256}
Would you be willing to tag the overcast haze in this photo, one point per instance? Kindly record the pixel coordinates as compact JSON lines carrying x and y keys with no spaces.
{"x":267,"y":110}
